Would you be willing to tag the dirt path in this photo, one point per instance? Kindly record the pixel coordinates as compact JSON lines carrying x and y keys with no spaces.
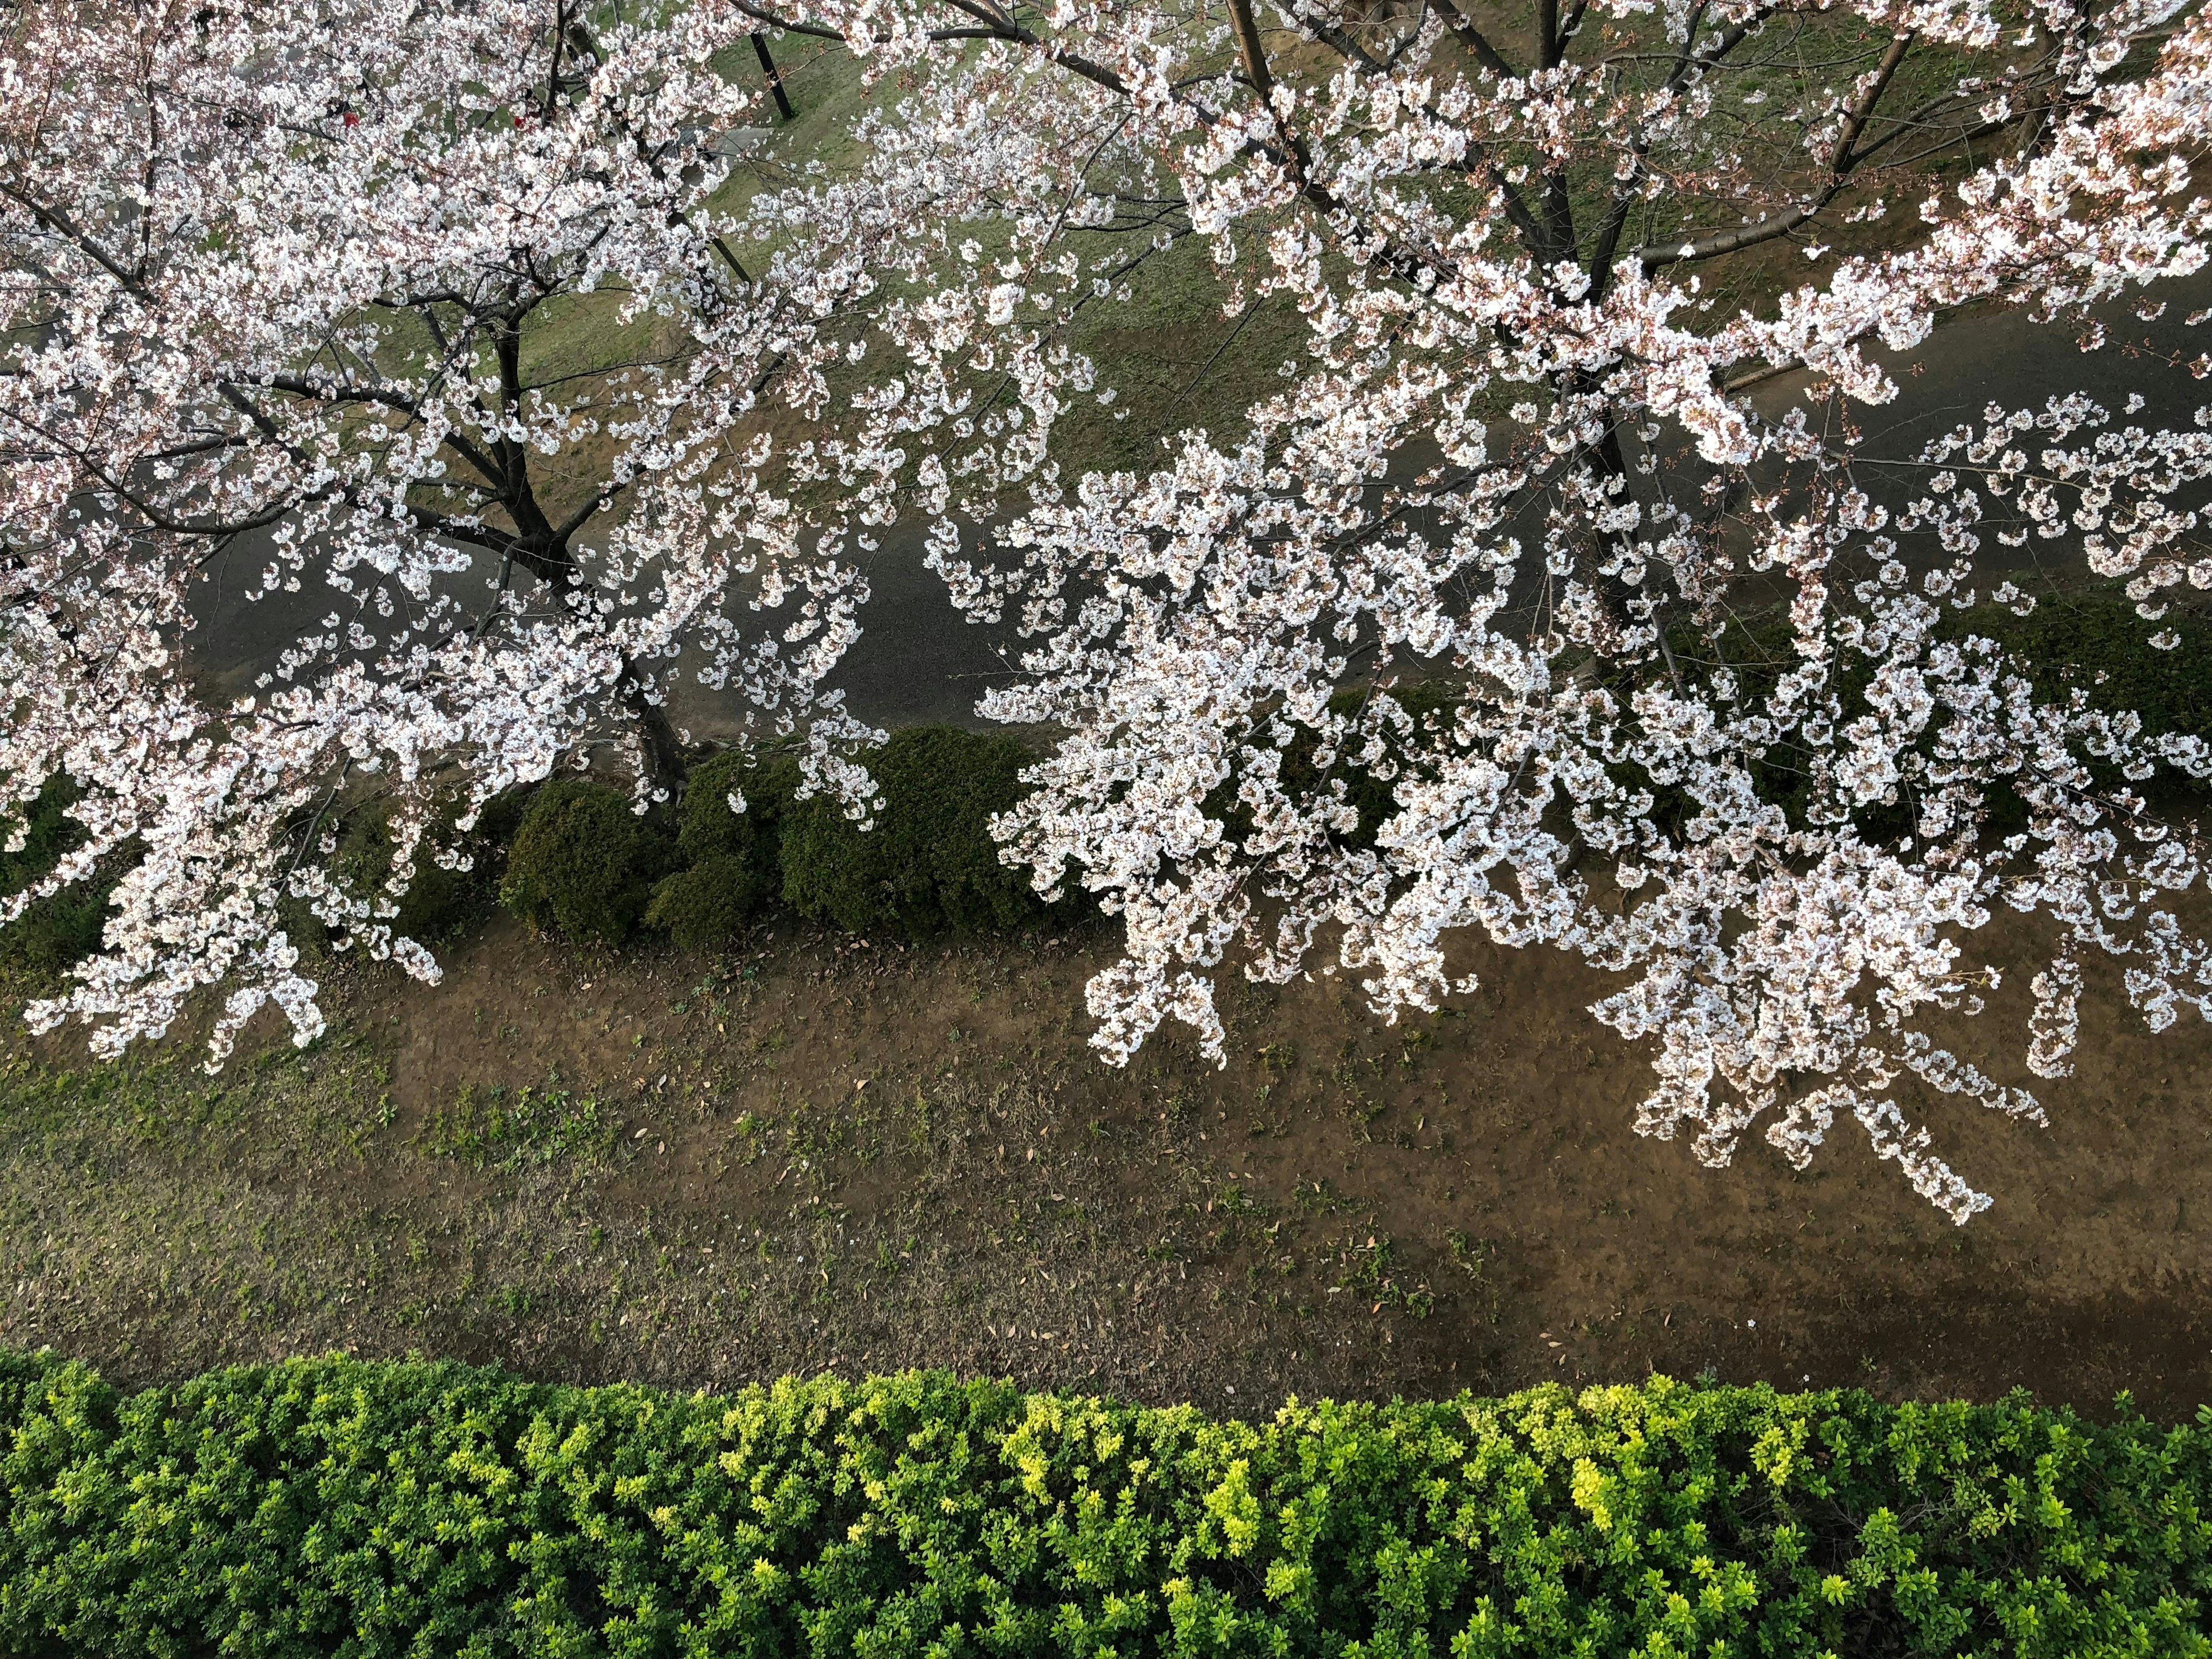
{"x":865,"y":1158}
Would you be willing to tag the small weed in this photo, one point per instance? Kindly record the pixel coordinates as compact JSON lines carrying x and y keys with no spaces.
{"x":499,"y":1128}
{"x":1314,"y":1198}
{"x":1470,"y":1255}
{"x":1367,"y":1271}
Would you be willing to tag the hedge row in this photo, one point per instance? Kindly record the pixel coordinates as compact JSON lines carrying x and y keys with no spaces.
{"x":583,"y":862}
{"x":55,"y":931}
{"x":571,"y":855}
{"x":330,"y":1507}
{"x":576,"y":859}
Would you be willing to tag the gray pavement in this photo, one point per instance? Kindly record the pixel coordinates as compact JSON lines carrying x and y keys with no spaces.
{"x":918,"y":660}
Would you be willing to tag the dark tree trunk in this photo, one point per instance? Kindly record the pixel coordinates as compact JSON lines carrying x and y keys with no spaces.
{"x":769,"y":69}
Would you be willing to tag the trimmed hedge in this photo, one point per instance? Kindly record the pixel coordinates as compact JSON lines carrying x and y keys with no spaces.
{"x":732,"y":869}
{"x":929,"y":865}
{"x":439,"y":903}
{"x":334,"y":1507}
{"x":2092,"y":639}
{"x":583,"y":862}
{"x":54,"y":932}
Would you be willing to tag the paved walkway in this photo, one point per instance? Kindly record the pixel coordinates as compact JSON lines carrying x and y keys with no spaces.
{"x":918,"y":660}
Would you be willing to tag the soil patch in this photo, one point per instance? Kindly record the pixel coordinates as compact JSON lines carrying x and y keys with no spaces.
{"x":819,"y":1154}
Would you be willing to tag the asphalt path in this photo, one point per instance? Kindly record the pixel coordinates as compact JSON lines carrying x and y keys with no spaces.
{"x":918,"y":660}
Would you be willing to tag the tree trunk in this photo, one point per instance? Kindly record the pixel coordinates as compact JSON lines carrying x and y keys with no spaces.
{"x":775,"y":78}
{"x":661,"y":754}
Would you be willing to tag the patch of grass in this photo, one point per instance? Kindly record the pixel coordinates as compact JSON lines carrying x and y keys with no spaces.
{"x":496,"y":1127}
{"x":283,"y":1103}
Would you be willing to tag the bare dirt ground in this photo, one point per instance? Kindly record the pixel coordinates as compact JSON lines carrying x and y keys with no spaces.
{"x":821,"y":1154}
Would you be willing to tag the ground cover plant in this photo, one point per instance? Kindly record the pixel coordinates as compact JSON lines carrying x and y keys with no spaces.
{"x":333,"y":1506}
{"x":537,"y":402}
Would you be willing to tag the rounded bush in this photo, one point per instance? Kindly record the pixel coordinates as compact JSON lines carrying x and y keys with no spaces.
{"x":706,"y":828}
{"x":731,"y":856}
{"x":929,"y":864}
{"x":439,"y":903}
{"x":702,"y":908}
{"x":582,"y":862}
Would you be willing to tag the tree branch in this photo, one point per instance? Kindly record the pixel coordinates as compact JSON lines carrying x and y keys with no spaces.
{"x":1842,"y":160}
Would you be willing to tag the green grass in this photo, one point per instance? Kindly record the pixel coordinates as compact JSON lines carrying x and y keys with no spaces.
{"x":495,"y":1126}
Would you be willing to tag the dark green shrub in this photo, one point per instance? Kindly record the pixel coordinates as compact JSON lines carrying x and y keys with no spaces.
{"x":2092,"y":638}
{"x":333,"y":1506}
{"x":582,"y":862}
{"x":706,"y":828}
{"x":55,"y":931}
{"x":439,"y":903}
{"x":702,"y":908}
{"x":732,"y":870}
{"x":1428,"y":704}
{"x":929,"y":865}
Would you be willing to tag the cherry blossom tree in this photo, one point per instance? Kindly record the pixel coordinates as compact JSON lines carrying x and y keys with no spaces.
{"x":277,"y":274}
{"x":282,"y":278}
{"x":1787,"y":867}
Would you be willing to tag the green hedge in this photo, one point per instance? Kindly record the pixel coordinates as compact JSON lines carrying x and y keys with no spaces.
{"x":929,"y":864}
{"x":59,"y":930}
{"x":439,"y":903}
{"x":732,"y":869}
{"x":583,"y":861}
{"x":333,"y":1507}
